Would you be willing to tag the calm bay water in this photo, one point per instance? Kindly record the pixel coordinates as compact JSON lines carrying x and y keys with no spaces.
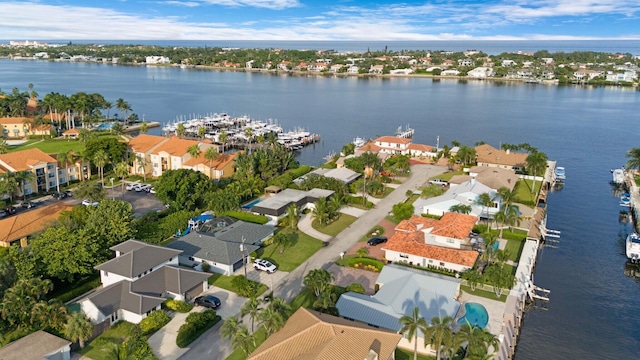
{"x":593,"y":313}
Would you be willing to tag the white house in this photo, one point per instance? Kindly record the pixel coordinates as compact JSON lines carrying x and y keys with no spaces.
{"x":450,"y":72}
{"x":376,"y":69}
{"x":481,"y":72}
{"x":507,"y":62}
{"x":463,"y":194}
{"x":393,"y":144}
{"x":626,"y":76}
{"x":401,"y":72}
{"x":157,"y":60}
{"x":465,"y":62}
{"x":353,"y":69}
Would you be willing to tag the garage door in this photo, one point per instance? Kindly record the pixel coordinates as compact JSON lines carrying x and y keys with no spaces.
{"x":193,"y":292}
{"x":237,"y":265}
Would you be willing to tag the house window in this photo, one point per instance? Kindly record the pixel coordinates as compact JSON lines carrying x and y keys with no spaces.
{"x":404,"y":256}
{"x":155,"y":165}
{"x":441,"y":264}
{"x":450,"y":241}
{"x":191,"y":258}
{"x":114,"y":316}
{"x":430,"y":261}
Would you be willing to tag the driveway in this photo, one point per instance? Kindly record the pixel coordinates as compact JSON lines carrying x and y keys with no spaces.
{"x":271,"y":280}
{"x":346,"y":276}
{"x":230,"y":302}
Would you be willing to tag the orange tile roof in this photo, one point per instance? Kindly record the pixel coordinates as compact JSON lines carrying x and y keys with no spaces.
{"x":72,"y":131}
{"x":490,"y":155}
{"x":415,"y":223}
{"x":24,"y":224}
{"x":175,"y":146}
{"x":451,"y":224}
{"x":420,"y":147}
{"x":370,"y":146}
{"x":25,"y":159}
{"x":393,"y":139}
{"x":222,"y":161}
{"x":12,"y":120}
{"x":143,"y":142}
{"x":311,"y":335}
{"x":413,"y":243}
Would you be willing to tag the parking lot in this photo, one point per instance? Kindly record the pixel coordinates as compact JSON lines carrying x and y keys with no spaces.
{"x":142,"y":201}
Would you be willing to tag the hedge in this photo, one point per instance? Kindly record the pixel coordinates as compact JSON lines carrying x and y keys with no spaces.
{"x":77,"y":288}
{"x":366,"y":263}
{"x":178,"y":305}
{"x":248,"y":217}
{"x":152,"y":323}
{"x":196,"y":325}
{"x":357,"y":200}
{"x":299,"y":171}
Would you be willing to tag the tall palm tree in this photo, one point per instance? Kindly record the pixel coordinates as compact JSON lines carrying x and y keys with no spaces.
{"x":485,"y":201}
{"x":122,"y":170}
{"x":65,"y":158}
{"x":251,"y":308}
{"x":229,"y":327}
{"x":634,"y":159}
{"x":536,"y":163}
{"x":460,"y":208}
{"x":10,"y":183}
{"x":4,"y":147}
{"x":438,"y":334}
{"x":78,"y":328}
{"x":211,"y":154}
{"x":144,"y":128}
{"x":201,"y":132}
{"x":141,"y":165}
{"x":318,"y":280}
{"x":22,"y":177}
{"x":194,"y":151}
{"x":124,"y":106}
{"x":223,"y":137}
{"x":292,"y":216}
{"x":100,"y":159}
{"x":271,"y":319}
{"x":411,"y":325}
{"x":248,"y":133}
{"x":180,"y":130}
{"x":321,"y":211}
{"x":243,"y":340}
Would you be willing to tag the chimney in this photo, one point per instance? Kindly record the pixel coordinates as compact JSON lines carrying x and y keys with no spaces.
{"x":508,"y":151}
{"x":473,"y":180}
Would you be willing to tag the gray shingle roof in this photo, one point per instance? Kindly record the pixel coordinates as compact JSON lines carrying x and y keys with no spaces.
{"x":252,"y":233}
{"x":33,"y":346}
{"x":208,"y":247}
{"x":140,"y":257}
{"x":168,"y":278}
{"x":402,"y":289}
{"x":343,"y":174}
{"x":120,"y":296}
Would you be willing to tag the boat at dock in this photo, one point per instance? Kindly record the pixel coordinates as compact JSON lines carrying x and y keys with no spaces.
{"x":625,"y":199}
{"x":618,"y":176}
{"x":633,"y":247}
{"x":560,"y":174}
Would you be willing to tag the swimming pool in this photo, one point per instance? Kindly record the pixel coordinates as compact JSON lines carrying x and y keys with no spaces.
{"x":104,"y":126}
{"x":248,"y":206}
{"x":475,"y":314}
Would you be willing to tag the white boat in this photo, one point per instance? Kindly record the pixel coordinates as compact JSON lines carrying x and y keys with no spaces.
{"x":560,"y":174}
{"x":633,"y":247}
{"x":358,"y":142}
{"x":618,"y":176}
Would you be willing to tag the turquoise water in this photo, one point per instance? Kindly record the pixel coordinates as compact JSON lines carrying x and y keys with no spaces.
{"x":104,"y":126}
{"x":475,"y":315}
{"x":251,"y":204}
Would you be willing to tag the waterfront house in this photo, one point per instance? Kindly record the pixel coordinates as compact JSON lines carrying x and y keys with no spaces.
{"x":401,"y":290}
{"x":347,"y":176}
{"x":39,"y":345}
{"x":493,"y":177}
{"x":441,"y":243}
{"x":317,"y":67}
{"x":465,"y":62}
{"x":336,"y":68}
{"x":481,"y":72}
{"x":420,"y":150}
{"x":587,"y":74}
{"x":376,"y":69}
{"x":450,"y":72}
{"x":401,"y":71}
{"x":219,"y":245}
{"x":155,"y":60}
{"x":22,"y":225}
{"x":353,"y":69}
{"x":626,"y":76}
{"x":487,"y":155}
{"x":137,"y":281}
{"x":276,"y":206}
{"x":462,"y":194}
{"x":284,"y":65}
{"x":393,"y":144}
{"x":141,"y":147}
{"x":310,"y":334}
{"x":507,"y":63}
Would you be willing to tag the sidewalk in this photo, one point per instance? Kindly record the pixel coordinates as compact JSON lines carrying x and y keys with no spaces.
{"x":304,"y":225}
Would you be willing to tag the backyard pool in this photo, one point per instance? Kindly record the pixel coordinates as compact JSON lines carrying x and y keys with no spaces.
{"x":475,"y":314}
{"x":104,"y":126}
{"x":248,"y":206}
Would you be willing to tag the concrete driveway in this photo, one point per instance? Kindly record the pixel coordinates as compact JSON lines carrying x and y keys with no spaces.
{"x":270,"y":280}
{"x":231,"y":303}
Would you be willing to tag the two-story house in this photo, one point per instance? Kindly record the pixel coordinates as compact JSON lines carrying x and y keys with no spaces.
{"x":393,"y":144}
{"x":137,"y":281}
{"x":487,"y":155}
{"x":427,"y":242}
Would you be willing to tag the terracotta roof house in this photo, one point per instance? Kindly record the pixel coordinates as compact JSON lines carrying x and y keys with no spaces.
{"x":401,"y":290}
{"x":22,"y":225}
{"x":463,"y":194}
{"x":37,"y":346}
{"x":442,"y":243}
{"x":222,"y":167}
{"x":220,"y":246}
{"x":42,"y":165}
{"x":15,"y":127}
{"x":493,"y":177}
{"x":393,"y":144}
{"x":71,"y":133}
{"x":137,"y":281}
{"x":141,"y":146}
{"x":487,"y":155}
{"x":313,"y":335}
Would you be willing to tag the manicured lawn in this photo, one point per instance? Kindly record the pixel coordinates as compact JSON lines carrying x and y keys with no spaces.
{"x":293,"y":256}
{"x":98,"y":348}
{"x":335,"y":227}
{"x":305,"y":298}
{"x":448,"y":175}
{"x":523,"y":191}
{"x":515,"y":249}
{"x":484,"y":293}
{"x":225,"y":282}
{"x":260,"y":336}
{"x":402,"y":354}
{"x":375,"y":231}
{"x":393,"y":219}
{"x":51,"y":146}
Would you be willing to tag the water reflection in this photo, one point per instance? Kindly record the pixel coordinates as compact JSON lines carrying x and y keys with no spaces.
{"x":632,"y":270}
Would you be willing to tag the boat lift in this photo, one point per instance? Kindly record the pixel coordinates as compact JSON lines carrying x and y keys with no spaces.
{"x":537,"y":293}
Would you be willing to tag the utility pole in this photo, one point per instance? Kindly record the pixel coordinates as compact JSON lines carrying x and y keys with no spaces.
{"x":244,"y":258}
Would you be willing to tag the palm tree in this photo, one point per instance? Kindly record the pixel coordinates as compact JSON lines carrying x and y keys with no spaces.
{"x":536,"y":163}
{"x":222,"y":138}
{"x":438,"y":333}
{"x":251,"y":308}
{"x":271,"y":319}
{"x":318,"y":280}
{"x":410,"y":327}
{"x":141,"y":163}
{"x":122,"y":170}
{"x":362,"y":252}
{"x":22,"y":177}
{"x":320,"y":211}
{"x":180,"y":130}
{"x":326,"y":302}
{"x":194,"y":151}
{"x":229,"y":327}
{"x":144,"y":128}
{"x":485,"y":201}
{"x":292,"y":216}
{"x":4,"y":147}
{"x":243,"y":340}
{"x":78,"y":328}
{"x":473,"y":278}
{"x":461,"y":208}
{"x":124,"y":106}
{"x":248,"y":133}
{"x":201,"y":132}
{"x":100,"y":159}
{"x":211,"y":154}
{"x":634,"y":159}
{"x":65,"y":158}
{"x":10,"y":183}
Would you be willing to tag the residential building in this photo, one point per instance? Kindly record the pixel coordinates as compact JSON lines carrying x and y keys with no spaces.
{"x":276,"y":206}
{"x":626,"y":76}
{"x":463,"y":194}
{"x":310,"y":334}
{"x":218,"y":243}
{"x":487,"y":155}
{"x":450,"y":72}
{"x":587,"y":74}
{"x":23,"y":224}
{"x":401,"y":290}
{"x":376,"y":69}
{"x":506,"y":63}
{"x":343,"y":174}
{"x":137,"y":281}
{"x":15,"y":127}
{"x":336,"y":68}
{"x":493,"y":177}
{"x":317,"y":67}
{"x":222,"y":167}
{"x":141,"y":147}
{"x":153,"y":60}
{"x":465,"y":62}
{"x":353,"y":69}
{"x":481,"y":72}
{"x":393,"y":144}
{"x":284,"y":65}
{"x":401,"y":71}
{"x":39,"y":345}
{"x":427,"y":242}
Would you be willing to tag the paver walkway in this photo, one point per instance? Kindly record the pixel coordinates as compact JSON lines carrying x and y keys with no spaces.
{"x":353,"y":211}
{"x":304,"y":225}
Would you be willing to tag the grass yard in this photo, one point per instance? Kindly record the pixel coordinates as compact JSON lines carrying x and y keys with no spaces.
{"x":515,"y":249}
{"x":484,"y":293}
{"x":448,"y":175}
{"x":335,"y":227}
{"x":51,"y":146}
{"x":305,"y":298}
{"x":117,"y":334}
{"x":260,"y":337}
{"x":523,"y":191}
{"x":293,"y":256}
{"x":392,"y":219}
{"x":225,"y":282}
{"x":375,"y":231}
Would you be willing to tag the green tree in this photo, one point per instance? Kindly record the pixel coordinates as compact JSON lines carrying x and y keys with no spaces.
{"x":318,"y":280}
{"x":123,"y":106}
{"x":229,"y":327}
{"x":141,"y":165}
{"x":402,"y":210}
{"x":223,"y":137}
{"x":4,"y":147}
{"x":536,"y":164}
{"x":411,"y":325}
{"x":90,"y":190}
{"x":100,"y":159}
{"x":292,"y":216}
{"x":114,"y":149}
{"x":243,"y":340}
{"x":283,"y":241}
{"x":252,"y":308}
{"x":121,"y":170}
{"x":439,"y":333}
{"x":211,"y":154}
{"x":110,"y":223}
{"x":486,"y":201}
{"x":194,"y":151}
{"x":461,"y":208}
{"x":180,"y":130}
{"x":65,"y":254}
{"x":78,"y":328}
{"x":326,"y":303}
{"x":144,"y":128}
{"x":633,"y":155}
{"x":187,"y":189}
{"x":23,"y":177}
{"x":473,"y":278}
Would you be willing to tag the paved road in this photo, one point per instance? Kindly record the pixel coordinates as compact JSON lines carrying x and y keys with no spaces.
{"x":210,"y":346}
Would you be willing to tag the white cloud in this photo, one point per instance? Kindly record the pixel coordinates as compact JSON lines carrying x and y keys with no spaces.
{"x":267,"y":4}
{"x":180,"y":3}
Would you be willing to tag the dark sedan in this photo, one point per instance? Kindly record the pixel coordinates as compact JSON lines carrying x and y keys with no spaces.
{"x":208,"y":301}
{"x":377,"y":240}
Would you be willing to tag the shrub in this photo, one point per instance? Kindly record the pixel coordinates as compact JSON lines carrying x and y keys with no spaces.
{"x":77,"y":288}
{"x":248,"y":217}
{"x":196,"y":324}
{"x":299,"y":171}
{"x":244,"y":286}
{"x":152,"y":323}
{"x":178,"y":305}
{"x":356,"y":288}
{"x":205,"y":266}
{"x":366,"y":263}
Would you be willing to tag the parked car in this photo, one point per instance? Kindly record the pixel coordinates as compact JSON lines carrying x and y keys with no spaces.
{"x":3,"y":213}
{"x":208,"y":301}
{"x":28,"y":204}
{"x":142,"y":187}
{"x":10,"y":210}
{"x":131,"y":186}
{"x":264,"y":265}
{"x":69,"y":193}
{"x":59,"y":195}
{"x":87,"y":202}
{"x":377,"y":240}
{"x":438,"y":182}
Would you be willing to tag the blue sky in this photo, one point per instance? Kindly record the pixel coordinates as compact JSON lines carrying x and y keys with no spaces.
{"x":319,"y":20}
